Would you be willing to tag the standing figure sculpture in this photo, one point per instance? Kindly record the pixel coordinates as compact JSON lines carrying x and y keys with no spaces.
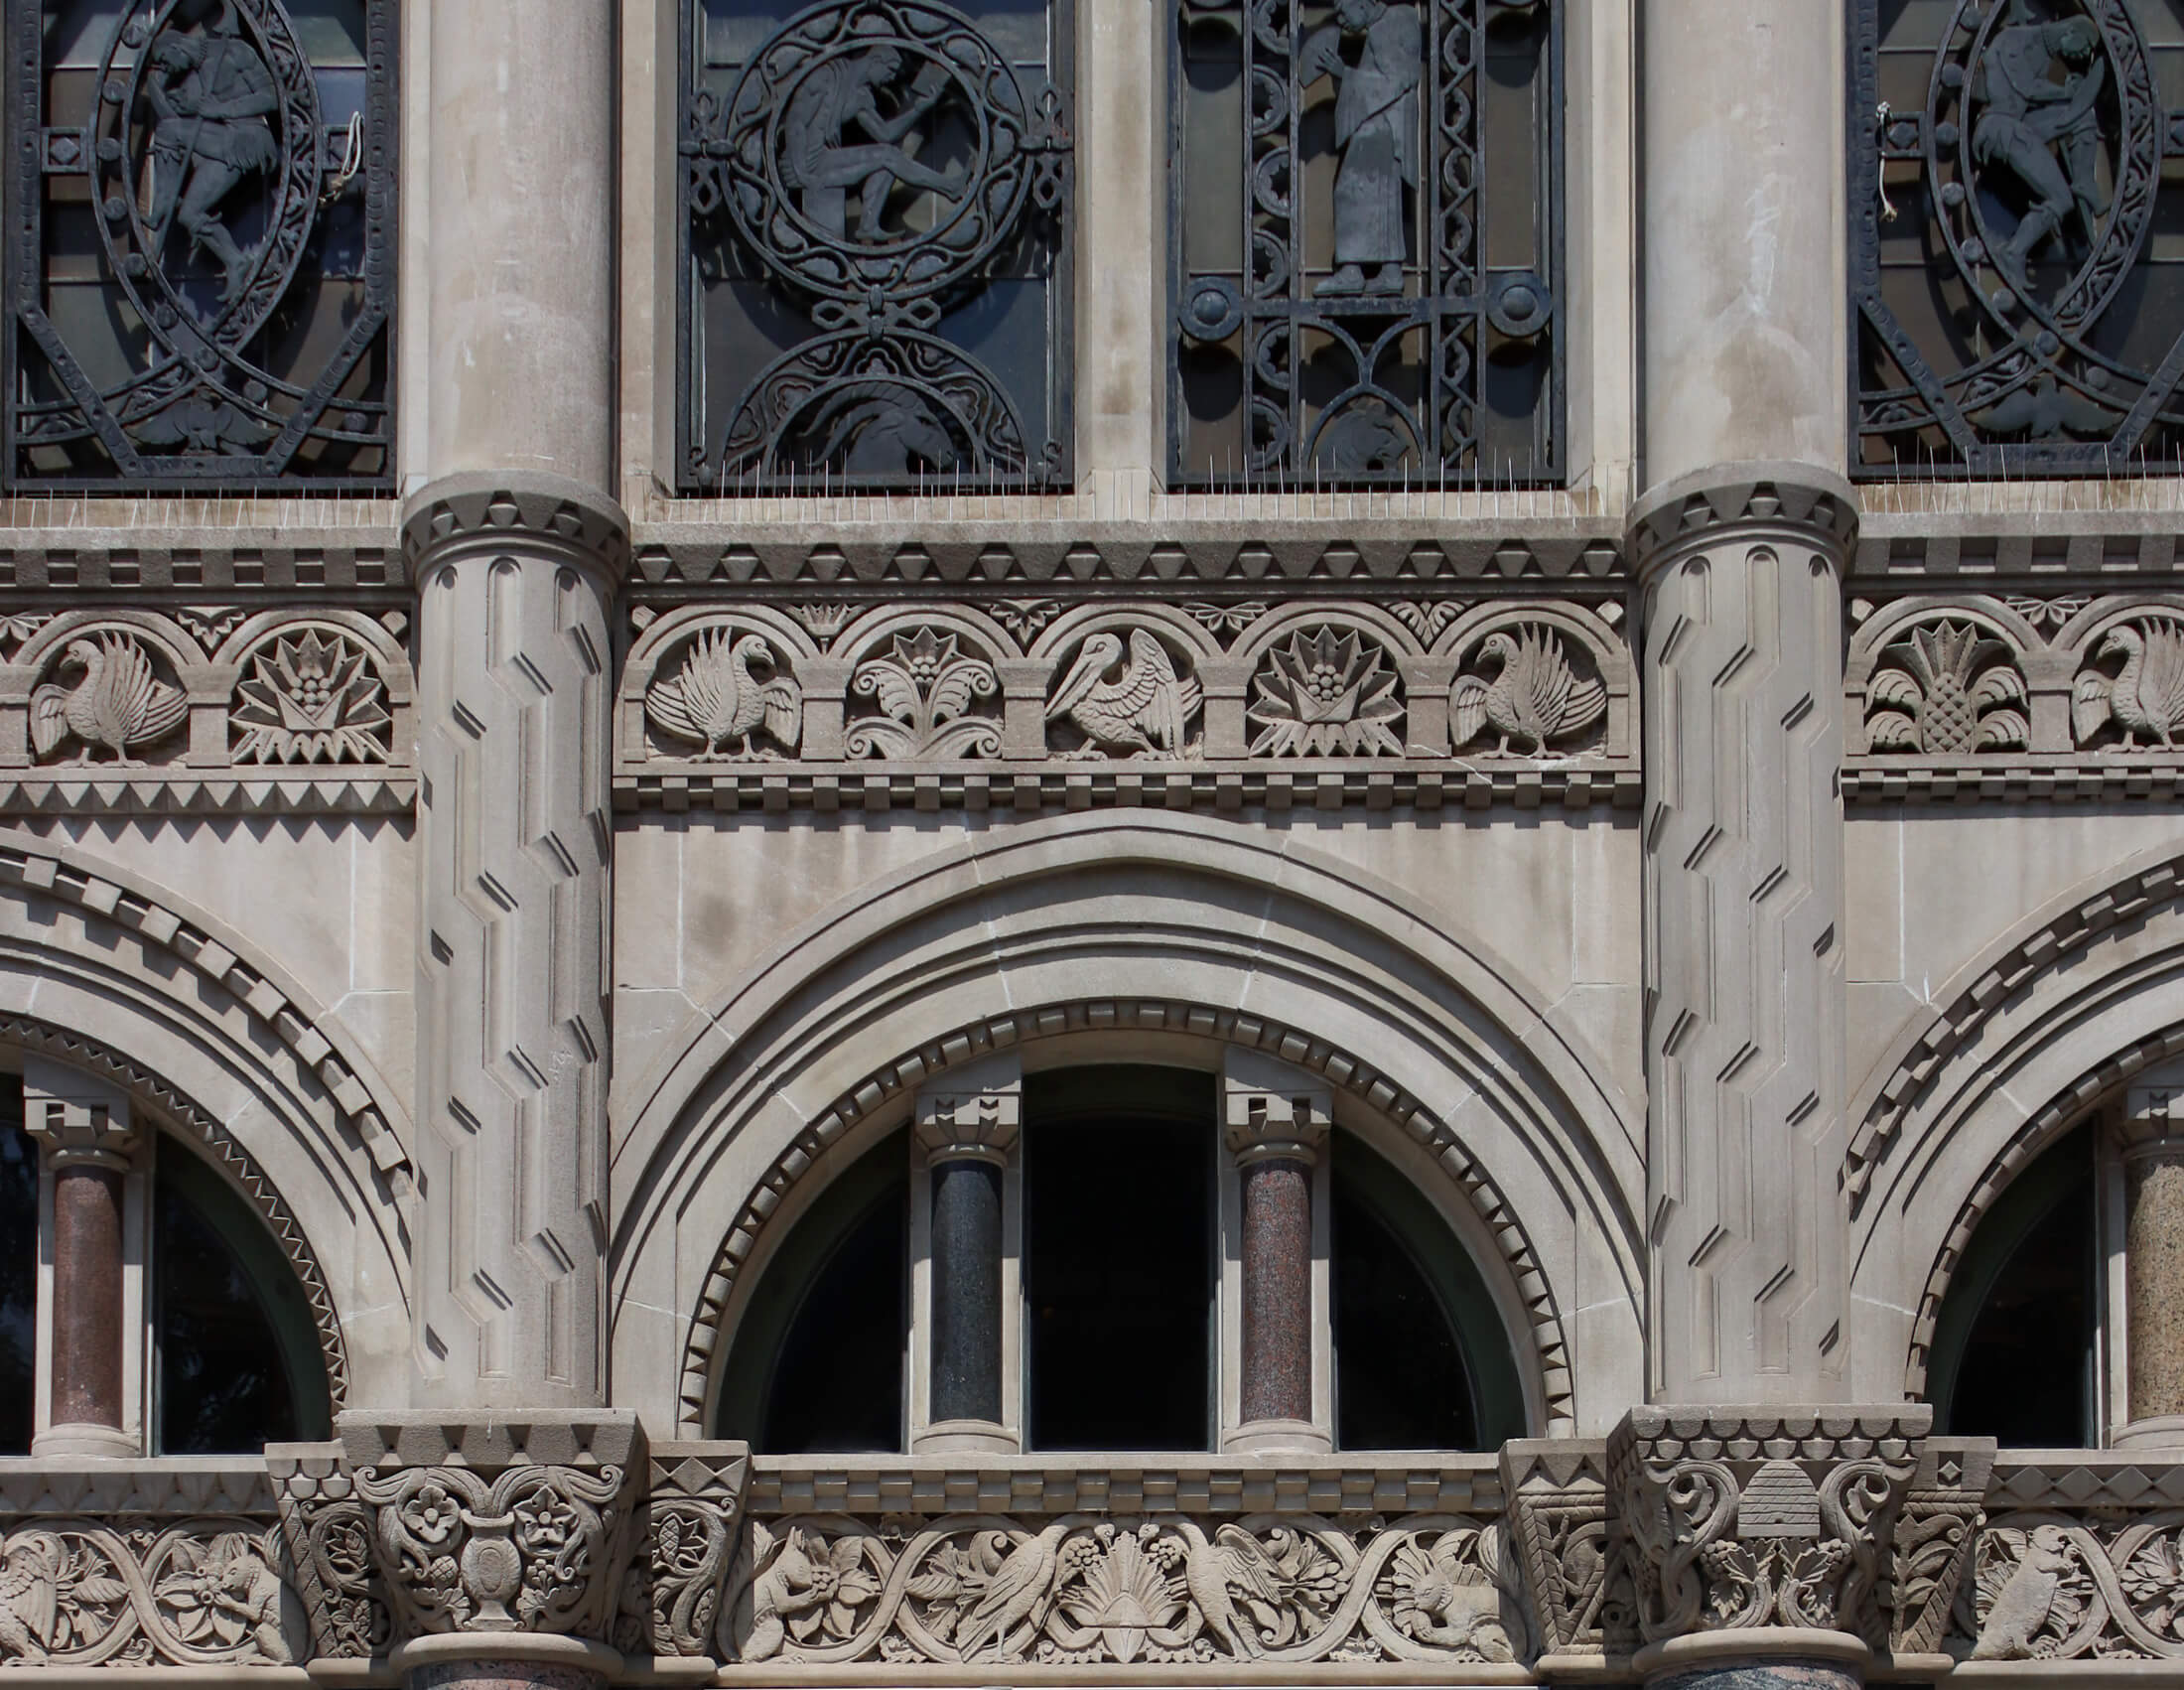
{"x":2046,"y":133}
{"x":1376,"y":128}
{"x":821,"y":162}
{"x":211,"y":94}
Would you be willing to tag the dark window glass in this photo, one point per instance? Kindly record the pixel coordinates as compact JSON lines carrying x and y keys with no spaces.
{"x":1401,"y":1379}
{"x":18,"y":1270}
{"x":2016,"y":240}
{"x":1118,"y":1258}
{"x":238,"y":1361}
{"x":817,"y":1364}
{"x":201,"y":298}
{"x":1366,"y":246}
{"x":2013,"y":1351}
{"x":875,"y":245}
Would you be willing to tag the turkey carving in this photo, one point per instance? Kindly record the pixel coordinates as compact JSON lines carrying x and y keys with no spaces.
{"x":118,"y":705}
{"x":2146,"y":698}
{"x":1535,"y":697}
{"x":1145,"y":711}
{"x":716,"y":701}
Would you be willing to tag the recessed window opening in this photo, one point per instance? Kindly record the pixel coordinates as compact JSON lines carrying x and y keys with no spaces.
{"x":17,"y":1272}
{"x":1117,"y":1169}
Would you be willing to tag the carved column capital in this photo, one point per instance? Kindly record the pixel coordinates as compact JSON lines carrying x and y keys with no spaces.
{"x":1755,"y":1521}
{"x":534,"y":514}
{"x":1800,"y":501}
{"x":685,"y":1540}
{"x":1271,"y":1111}
{"x":79,"y":1121}
{"x":499,"y":1528}
{"x":974,"y":1113}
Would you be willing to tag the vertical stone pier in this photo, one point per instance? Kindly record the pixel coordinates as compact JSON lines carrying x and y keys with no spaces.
{"x":85,"y":1132}
{"x":517,"y":552}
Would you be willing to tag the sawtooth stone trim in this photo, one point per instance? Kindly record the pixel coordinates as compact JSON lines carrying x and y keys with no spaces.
{"x":282,"y":1015}
{"x":1905,"y":1080}
{"x":703,"y":1344}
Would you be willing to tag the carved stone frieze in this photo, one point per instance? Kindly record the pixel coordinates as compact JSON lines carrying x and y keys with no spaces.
{"x":327,"y":1529}
{"x":1567,"y":1539}
{"x":211,"y":710}
{"x":687,"y":1532}
{"x":977,"y":704}
{"x":1741,"y":1520}
{"x":1079,"y":1588}
{"x":2015,"y":697}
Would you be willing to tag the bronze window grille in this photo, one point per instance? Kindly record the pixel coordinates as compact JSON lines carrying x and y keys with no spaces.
{"x":1367,"y":247}
{"x":199,"y":268}
{"x":2016,"y":177}
{"x":874,"y":246}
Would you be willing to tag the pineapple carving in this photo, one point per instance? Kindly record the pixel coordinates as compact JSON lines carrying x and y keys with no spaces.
{"x":1948,"y":689}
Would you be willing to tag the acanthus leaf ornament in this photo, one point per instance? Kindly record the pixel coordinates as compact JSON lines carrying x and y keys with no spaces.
{"x":932,"y":697}
{"x":1326,"y":691}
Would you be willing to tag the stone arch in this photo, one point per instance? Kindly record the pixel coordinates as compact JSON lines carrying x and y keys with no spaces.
{"x":1145,"y":924}
{"x":163,"y":996}
{"x":2013,"y":1052}
{"x":174,"y":1109}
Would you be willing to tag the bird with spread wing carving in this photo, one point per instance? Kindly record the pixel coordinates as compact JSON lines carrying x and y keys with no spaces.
{"x":1140,"y":706}
{"x":716,"y":699}
{"x":2145,"y":699}
{"x":1535,"y":696}
{"x":118,"y":705}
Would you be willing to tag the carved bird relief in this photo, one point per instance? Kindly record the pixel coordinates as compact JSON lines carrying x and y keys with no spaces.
{"x":1536,"y":696}
{"x":118,"y":705}
{"x":1145,"y":710}
{"x":1021,"y":1585}
{"x":1233,"y":1557}
{"x":30,"y":1590}
{"x":2146,"y":698}
{"x":715,"y":700}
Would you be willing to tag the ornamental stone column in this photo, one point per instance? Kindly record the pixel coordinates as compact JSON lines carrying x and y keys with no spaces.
{"x":1740,"y":546}
{"x":2151,"y":1137}
{"x":1275,"y":1120}
{"x":86,"y":1138}
{"x":517,"y":552}
{"x":968,"y":1125}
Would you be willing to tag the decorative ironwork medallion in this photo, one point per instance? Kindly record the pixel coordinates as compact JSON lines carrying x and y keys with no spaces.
{"x":2013,"y":314}
{"x":201,"y":273}
{"x":1367,"y":216}
{"x":882,"y":191}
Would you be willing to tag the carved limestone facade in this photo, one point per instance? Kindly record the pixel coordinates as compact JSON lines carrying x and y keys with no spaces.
{"x":811,"y":894}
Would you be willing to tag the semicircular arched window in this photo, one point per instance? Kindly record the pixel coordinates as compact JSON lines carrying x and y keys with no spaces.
{"x":218,"y":1347}
{"x":1079,"y":1259}
{"x":2014,"y":1352}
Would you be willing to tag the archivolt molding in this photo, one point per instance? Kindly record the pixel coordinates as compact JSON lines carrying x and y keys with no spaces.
{"x":182,"y":1112}
{"x":966,"y":1044}
{"x":2058,"y":1116}
{"x":199,"y":945}
{"x":1917,"y":1069}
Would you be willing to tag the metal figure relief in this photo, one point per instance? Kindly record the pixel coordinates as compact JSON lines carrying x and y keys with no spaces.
{"x":245,"y":249}
{"x":2027,"y":184}
{"x":1336,"y":312}
{"x":1376,"y":129}
{"x":877,"y":165}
